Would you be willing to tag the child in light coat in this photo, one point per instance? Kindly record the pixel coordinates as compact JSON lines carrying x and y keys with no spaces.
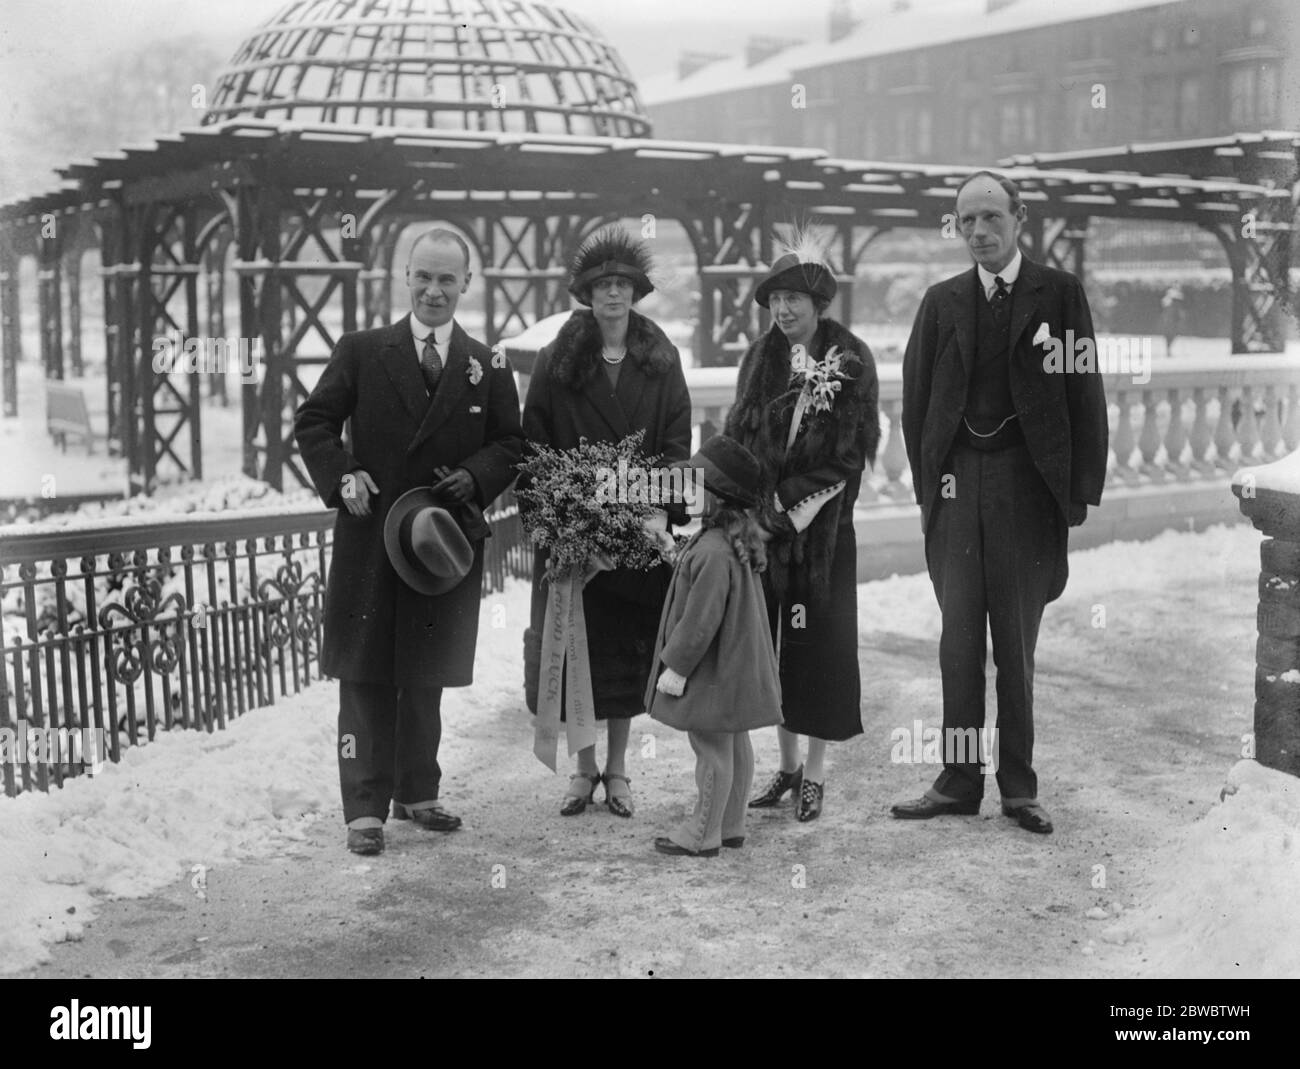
{"x":717,"y":671}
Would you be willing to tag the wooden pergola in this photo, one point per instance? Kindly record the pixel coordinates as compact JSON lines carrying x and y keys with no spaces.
{"x":305,"y":216}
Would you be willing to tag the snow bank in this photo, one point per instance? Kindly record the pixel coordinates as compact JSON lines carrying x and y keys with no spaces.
{"x":191,"y":799}
{"x":187,"y":799}
{"x":1223,"y":899}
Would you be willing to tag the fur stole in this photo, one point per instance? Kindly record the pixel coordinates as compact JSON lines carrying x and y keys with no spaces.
{"x":575,"y":353}
{"x":800,"y":564}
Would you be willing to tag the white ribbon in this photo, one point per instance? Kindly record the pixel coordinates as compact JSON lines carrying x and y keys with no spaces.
{"x":565,"y":666}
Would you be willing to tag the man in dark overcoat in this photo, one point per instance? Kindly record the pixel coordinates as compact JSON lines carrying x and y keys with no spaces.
{"x":428,"y":406}
{"x":1008,"y":449}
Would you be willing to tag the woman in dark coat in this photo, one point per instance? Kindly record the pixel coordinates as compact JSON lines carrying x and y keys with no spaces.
{"x":807,"y":405}
{"x":609,"y":373}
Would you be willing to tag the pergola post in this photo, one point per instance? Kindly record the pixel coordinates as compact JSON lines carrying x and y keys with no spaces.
{"x":49,"y":299}
{"x":10,"y":323}
{"x":1258,"y":248}
{"x":72,"y":252}
{"x":168,"y":308}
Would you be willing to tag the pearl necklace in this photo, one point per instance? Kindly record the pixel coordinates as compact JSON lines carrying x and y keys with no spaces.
{"x":622,"y":354}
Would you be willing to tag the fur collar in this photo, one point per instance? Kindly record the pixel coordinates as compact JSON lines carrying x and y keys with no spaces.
{"x":760,"y":420}
{"x":575,"y":353}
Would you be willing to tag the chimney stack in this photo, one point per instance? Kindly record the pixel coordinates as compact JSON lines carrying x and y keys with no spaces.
{"x":760,"y":48}
{"x":842,"y":21}
{"x":690,"y":62}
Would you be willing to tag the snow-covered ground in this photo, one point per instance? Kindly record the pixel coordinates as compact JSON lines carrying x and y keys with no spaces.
{"x":1215,"y":896}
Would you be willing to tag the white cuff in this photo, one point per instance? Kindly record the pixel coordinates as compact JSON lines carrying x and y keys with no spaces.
{"x":802,"y":514}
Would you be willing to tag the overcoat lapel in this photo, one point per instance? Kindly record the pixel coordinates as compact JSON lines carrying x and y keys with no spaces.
{"x":403,"y":368}
{"x":963,"y":293}
{"x":452,"y":385}
{"x":1024,"y":305}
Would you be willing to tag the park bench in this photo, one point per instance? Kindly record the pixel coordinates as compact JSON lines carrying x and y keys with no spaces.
{"x":66,"y":414}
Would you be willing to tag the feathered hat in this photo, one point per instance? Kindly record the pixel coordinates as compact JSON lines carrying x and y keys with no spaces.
{"x":802,"y":267}
{"x":611,"y":251}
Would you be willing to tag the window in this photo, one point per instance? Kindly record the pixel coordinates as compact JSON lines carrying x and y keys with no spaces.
{"x":1159,"y":42}
{"x":1267,"y":82}
{"x":973,"y":125}
{"x":1157,"y":105}
{"x":1189,"y":104}
{"x":1029,"y":124}
{"x":1241,"y":96}
{"x":923,"y":141}
{"x":1087,"y":123}
{"x":828,"y":139}
{"x":1009,"y":124}
{"x":871,"y":140}
{"x":1083,"y":44}
{"x":1256,"y":25}
{"x":1190,"y":37}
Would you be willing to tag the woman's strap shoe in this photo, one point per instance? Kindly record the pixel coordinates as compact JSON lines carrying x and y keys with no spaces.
{"x":620,"y":803}
{"x":775,"y":790}
{"x":810,"y":801}
{"x":580,"y":796}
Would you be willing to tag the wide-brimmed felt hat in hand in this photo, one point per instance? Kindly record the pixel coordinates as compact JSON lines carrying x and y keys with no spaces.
{"x":731,"y":472}
{"x":425,"y":544}
{"x":611,"y":251}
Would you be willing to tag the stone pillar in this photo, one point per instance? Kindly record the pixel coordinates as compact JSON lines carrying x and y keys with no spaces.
{"x":1270,"y":497}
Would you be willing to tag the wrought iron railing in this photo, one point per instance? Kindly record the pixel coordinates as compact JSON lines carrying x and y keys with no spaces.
{"x":115,"y":633}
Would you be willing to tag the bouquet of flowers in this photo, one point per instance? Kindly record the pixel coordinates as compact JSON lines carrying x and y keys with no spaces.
{"x":819,"y":380}
{"x":571,"y":505}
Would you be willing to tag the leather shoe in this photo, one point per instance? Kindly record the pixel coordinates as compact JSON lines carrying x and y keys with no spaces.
{"x":1032,"y":817}
{"x":810,"y":801}
{"x":734,"y":843}
{"x":666,"y":846}
{"x":435,"y":819}
{"x":366,"y":840}
{"x":775,"y":790}
{"x":926,"y":807}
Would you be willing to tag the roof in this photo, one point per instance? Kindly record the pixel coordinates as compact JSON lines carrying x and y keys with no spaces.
{"x":594,"y":174}
{"x":883,"y":32}
{"x":1272,"y":154}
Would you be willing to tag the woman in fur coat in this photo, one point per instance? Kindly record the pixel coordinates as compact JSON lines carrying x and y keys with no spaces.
{"x":807,"y":405}
{"x":609,"y":372}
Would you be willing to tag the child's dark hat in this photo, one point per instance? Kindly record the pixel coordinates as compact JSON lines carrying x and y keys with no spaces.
{"x":731,"y":471}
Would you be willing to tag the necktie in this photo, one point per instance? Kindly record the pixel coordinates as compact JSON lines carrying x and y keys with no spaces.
{"x":431,"y":364}
{"x":1001,"y":299}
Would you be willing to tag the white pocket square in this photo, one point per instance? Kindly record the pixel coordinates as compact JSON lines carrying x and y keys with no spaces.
{"x":1042,"y":334}
{"x":475,"y":408}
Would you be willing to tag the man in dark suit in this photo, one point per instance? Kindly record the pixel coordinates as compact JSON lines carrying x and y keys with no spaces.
{"x":428,"y":406}
{"x":1006,"y":455}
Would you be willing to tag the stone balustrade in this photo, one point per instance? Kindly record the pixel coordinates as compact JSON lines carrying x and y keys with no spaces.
{"x":1194,"y":420}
